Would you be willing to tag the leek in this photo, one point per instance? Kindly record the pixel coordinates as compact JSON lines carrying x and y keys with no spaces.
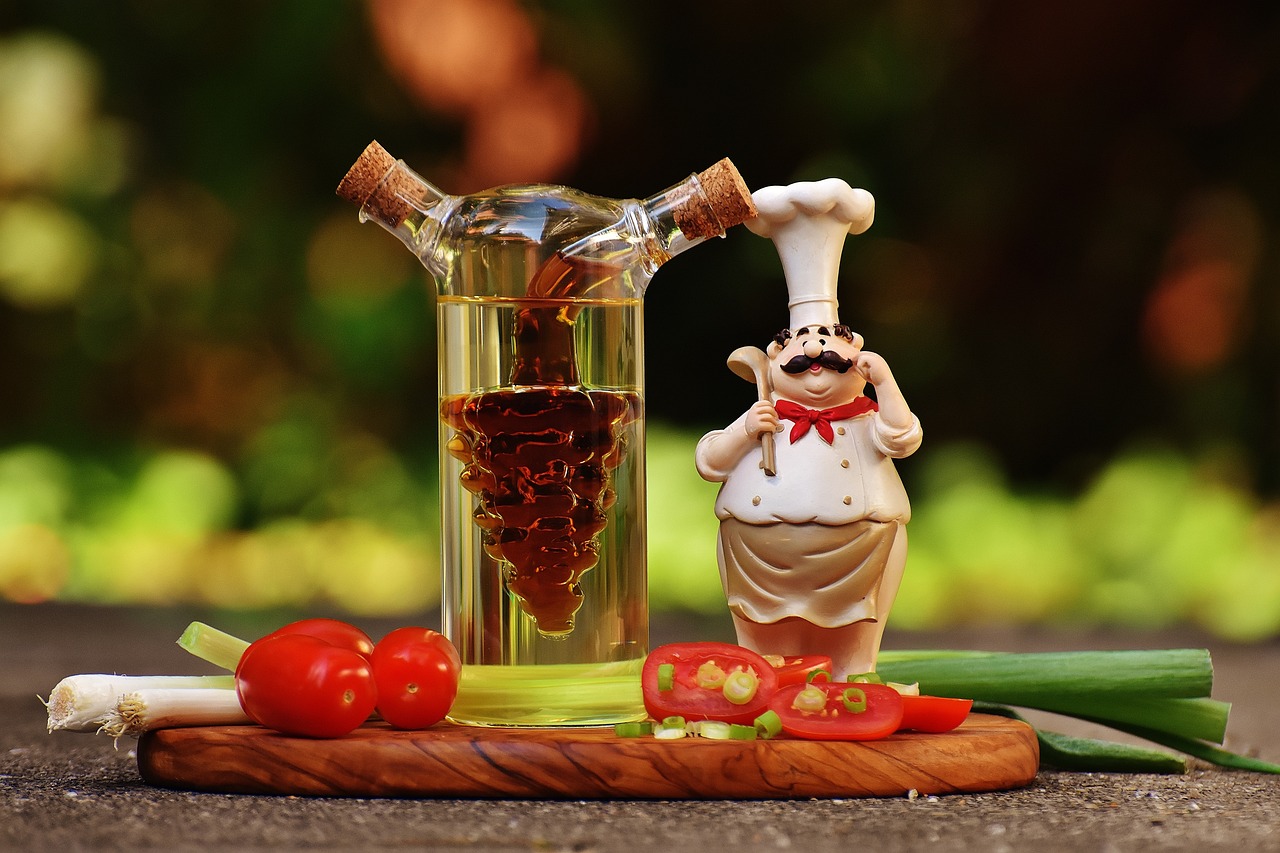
{"x":1024,"y":679}
{"x":216,"y":647}
{"x":87,"y":703}
{"x":156,"y":708}
{"x":1161,"y":696}
{"x":1064,"y":752}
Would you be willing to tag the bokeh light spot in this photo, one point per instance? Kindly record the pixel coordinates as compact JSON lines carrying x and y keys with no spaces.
{"x":46,"y":254}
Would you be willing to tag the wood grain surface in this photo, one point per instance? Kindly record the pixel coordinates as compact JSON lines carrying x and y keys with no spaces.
{"x":986,"y":753}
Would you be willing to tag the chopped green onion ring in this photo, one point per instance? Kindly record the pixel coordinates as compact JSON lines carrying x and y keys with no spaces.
{"x":816,"y":674}
{"x":864,"y":678}
{"x":740,"y":687}
{"x":714,"y":730}
{"x":635,"y":729}
{"x":671,"y":728}
{"x":768,"y":724}
{"x":855,"y":700}
{"x":710,"y":676}
{"x":811,"y":700}
{"x":741,"y":732}
{"x":666,"y":676}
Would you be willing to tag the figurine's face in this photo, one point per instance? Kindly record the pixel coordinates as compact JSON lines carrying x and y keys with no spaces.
{"x":814,"y":365}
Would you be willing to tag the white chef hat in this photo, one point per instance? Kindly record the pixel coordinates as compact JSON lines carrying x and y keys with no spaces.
{"x":808,"y":223}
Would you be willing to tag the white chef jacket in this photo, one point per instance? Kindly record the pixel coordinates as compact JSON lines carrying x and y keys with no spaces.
{"x":851,"y":479}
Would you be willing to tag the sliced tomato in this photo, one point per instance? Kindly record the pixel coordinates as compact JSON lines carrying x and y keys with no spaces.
{"x":879,"y":717}
{"x":933,"y":714}
{"x":681,"y":695}
{"x":798,"y":669}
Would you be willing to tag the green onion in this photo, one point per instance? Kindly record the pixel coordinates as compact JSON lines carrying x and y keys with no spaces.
{"x":640,"y":729}
{"x":713,"y":730}
{"x":666,"y":676}
{"x":1161,"y":696}
{"x":710,"y":676}
{"x":1064,"y":752}
{"x":88,"y":703}
{"x":167,"y":707}
{"x":671,"y":728}
{"x":1205,"y":751}
{"x":810,"y":700}
{"x":768,"y":724}
{"x":1023,"y":679}
{"x":740,"y":687}
{"x":865,"y":678}
{"x":855,"y":700}
{"x":741,"y":732}
{"x":1164,"y":690}
{"x":1201,"y":719}
{"x":816,"y":674}
{"x":209,"y":644}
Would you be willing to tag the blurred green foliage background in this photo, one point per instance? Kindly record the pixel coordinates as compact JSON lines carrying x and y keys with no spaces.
{"x":216,"y":387}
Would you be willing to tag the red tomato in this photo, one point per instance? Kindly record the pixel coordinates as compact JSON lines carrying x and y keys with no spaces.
{"x":416,"y":670}
{"x":933,"y":714}
{"x":687,"y":699}
{"x":301,"y":685}
{"x":796,"y":670}
{"x":833,"y":720}
{"x":332,"y":631}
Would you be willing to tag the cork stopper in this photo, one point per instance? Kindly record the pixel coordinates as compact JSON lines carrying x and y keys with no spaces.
{"x":724,"y":202}
{"x":374,"y":185}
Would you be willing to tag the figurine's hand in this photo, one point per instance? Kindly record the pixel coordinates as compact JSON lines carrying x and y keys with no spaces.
{"x":762,"y":418}
{"x":873,"y":368}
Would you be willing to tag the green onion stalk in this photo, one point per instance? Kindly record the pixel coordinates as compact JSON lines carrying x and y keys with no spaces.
{"x":1161,"y":696}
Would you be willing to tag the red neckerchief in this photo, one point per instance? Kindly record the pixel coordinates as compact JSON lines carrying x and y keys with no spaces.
{"x":805,"y":418}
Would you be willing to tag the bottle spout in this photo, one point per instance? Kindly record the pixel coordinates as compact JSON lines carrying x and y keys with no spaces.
{"x":703,"y":205}
{"x":716,"y":200}
{"x":391,"y":194}
{"x":362,"y":184}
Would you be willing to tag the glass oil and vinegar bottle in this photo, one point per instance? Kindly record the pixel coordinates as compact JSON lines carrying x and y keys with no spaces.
{"x":541,"y":367}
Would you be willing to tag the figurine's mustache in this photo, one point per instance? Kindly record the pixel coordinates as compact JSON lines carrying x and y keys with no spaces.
{"x":829,"y":358}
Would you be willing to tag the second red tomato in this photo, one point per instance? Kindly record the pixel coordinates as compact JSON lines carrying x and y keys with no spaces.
{"x":333,"y":631}
{"x":416,"y":670}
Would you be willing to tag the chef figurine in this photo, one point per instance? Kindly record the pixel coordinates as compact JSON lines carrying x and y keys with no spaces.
{"x":811,"y":555}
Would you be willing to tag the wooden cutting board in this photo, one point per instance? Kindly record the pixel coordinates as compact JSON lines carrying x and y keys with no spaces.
{"x":986,"y":753}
